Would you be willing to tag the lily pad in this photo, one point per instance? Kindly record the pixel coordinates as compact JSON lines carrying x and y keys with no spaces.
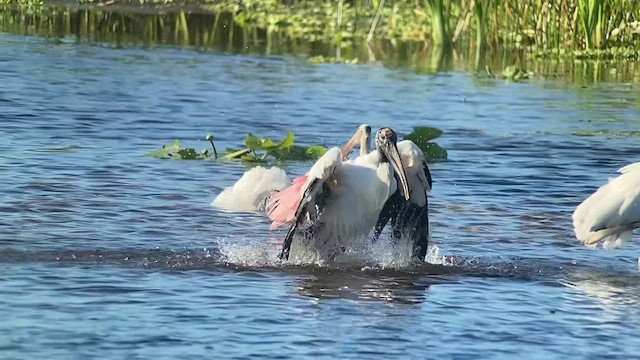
{"x":316,"y":152}
{"x":422,"y":137}
{"x":259,"y":150}
{"x":433,"y":151}
{"x":253,"y":142}
{"x":423,"y":134}
{"x":167,"y":151}
{"x":175,"y":152}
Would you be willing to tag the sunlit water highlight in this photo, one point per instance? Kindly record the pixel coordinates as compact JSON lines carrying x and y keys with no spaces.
{"x":108,"y":253}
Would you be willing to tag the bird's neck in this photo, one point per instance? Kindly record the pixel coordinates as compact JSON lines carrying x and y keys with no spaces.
{"x":364,"y":147}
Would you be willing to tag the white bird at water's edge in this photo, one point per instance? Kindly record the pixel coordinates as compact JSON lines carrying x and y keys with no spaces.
{"x":611,"y":213}
{"x":338,"y":200}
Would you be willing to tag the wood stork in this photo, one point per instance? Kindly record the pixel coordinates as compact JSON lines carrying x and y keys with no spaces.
{"x":361,"y":138}
{"x":409,"y":217}
{"x":338,"y":200}
{"x":611,"y":213}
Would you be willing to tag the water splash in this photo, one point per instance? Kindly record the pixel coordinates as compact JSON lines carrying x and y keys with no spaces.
{"x":253,"y":253}
{"x":359,"y":254}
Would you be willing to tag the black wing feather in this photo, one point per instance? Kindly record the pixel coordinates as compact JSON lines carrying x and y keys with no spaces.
{"x":407,"y":219}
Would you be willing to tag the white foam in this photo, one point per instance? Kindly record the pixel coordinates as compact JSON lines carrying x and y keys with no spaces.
{"x":252,"y":188}
{"x":254,"y":253}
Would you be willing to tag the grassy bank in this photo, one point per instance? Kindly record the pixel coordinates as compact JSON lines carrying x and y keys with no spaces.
{"x":607,"y":29}
{"x":191,"y":25}
{"x":584,"y":28}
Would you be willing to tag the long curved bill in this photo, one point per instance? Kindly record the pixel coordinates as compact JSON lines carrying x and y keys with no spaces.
{"x":361,"y":138}
{"x":391,"y":151}
{"x":350,"y":145}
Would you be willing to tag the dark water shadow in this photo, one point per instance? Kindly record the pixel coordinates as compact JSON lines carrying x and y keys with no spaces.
{"x":409,"y":286}
{"x":214,"y":259}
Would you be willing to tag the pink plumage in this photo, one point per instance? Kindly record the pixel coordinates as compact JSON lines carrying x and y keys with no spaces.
{"x":282,"y":207}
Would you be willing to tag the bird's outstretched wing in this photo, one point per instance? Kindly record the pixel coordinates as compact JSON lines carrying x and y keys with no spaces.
{"x":304,"y":200}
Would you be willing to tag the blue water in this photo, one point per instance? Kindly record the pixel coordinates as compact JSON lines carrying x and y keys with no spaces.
{"x":108,"y":253}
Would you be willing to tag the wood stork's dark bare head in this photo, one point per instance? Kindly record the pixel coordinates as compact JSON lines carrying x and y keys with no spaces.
{"x":386,"y":141}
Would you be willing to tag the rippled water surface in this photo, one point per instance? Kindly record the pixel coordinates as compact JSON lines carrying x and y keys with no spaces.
{"x":108,"y":253}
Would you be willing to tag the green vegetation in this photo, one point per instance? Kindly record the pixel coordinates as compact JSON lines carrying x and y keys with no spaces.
{"x":565,"y":28}
{"x":257,"y":149}
{"x":263,"y":150}
{"x":423,"y":136}
{"x":581,"y":25}
{"x":512,"y":73}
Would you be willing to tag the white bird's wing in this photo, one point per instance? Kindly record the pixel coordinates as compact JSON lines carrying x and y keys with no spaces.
{"x":288,"y":206}
{"x":251,"y":189}
{"x":284,"y":206}
{"x":612,"y":212}
{"x":631,"y":167}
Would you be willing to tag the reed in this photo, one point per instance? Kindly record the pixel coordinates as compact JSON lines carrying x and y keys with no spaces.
{"x":578,"y":28}
{"x":439,"y":30}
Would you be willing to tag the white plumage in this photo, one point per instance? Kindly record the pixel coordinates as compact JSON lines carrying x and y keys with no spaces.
{"x":409,"y":214}
{"x":336,"y":202}
{"x":611,"y":213}
{"x":358,"y":194}
{"x":413,"y":162}
{"x":249,"y":192}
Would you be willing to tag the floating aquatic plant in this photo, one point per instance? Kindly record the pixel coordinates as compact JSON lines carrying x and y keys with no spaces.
{"x":257,"y":150}
{"x":423,"y":136}
{"x":263,"y":150}
{"x":176,"y":152}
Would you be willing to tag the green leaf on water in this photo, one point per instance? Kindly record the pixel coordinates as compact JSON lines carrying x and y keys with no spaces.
{"x":268,"y":144}
{"x":434,"y":151}
{"x":237,"y":154}
{"x":175,"y":152}
{"x":287,"y":142}
{"x":248,"y":158}
{"x":423,"y":134}
{"x":253,"y":142}
{"x":258,"y":150}
{"x":316,"y":152}
{"x":167,"y":151}
{"x":422,"y":137}
{"x":187,"y":154}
